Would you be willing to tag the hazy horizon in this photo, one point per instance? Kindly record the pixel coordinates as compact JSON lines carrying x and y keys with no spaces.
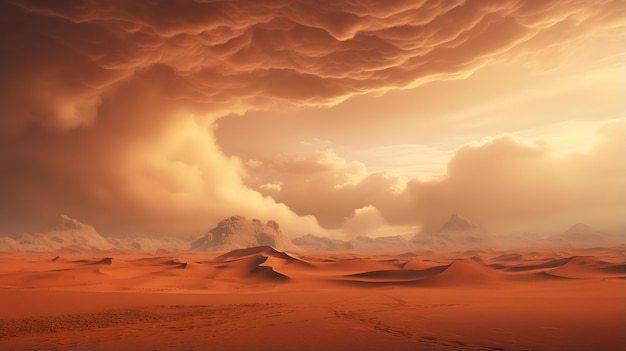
{"x":458,"y":234}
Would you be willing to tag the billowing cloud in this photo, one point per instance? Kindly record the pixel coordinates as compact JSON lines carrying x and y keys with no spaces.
{"x":508,"y":182}
{"x":369,"y":222}
{"x":107,"y":107}
{"x":502,"y":183}
{"x":320,"y":184}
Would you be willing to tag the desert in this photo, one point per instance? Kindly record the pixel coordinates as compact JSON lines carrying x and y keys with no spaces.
{"x":262,"y":298}
{"x":312,"y":175}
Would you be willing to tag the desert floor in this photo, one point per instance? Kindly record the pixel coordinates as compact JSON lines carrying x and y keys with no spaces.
{"x":262,"y":299}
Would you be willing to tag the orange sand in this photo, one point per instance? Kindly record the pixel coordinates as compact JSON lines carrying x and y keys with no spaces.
{"x":263,"y":299}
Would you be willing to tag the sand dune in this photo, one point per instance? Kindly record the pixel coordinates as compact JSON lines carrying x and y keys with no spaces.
{"x":398,"y":275}
{"x":589,"y":267}
{"x":416,"y":264}
{"x":548,"y":264}
{"x":267,"y":273}
{"x":266,"y":264}
{"x":263,"y":263}
{"x":458,"y":273}
{"x":464,"y":272}
{"x":106,"y":260}
{"x":508,"y":257}
{"x":259,"y":250}
{"x":353,"y":266}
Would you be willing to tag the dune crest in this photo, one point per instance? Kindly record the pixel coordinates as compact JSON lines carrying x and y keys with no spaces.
{"x":464,"y":272}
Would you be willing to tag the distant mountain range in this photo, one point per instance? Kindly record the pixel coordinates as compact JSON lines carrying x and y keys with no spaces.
{"x":311,"y":242}
{"x":237,"y":232}
{"x":582,"y":235}
{"x":456,"y":234}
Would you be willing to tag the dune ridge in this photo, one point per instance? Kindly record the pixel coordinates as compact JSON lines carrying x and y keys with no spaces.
{"x":267,"y":266}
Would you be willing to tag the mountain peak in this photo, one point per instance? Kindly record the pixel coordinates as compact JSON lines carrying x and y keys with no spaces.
{"x":457,"y":223}
{"x":66,"y":222}
{"x":579,"y":228}
{"x":67,"y":233}
{"x":581,"y":235}
{"x":310,"y":242}
{"x":237,"y":232}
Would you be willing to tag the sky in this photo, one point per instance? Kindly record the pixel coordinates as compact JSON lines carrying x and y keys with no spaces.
{"x":338,"y":118}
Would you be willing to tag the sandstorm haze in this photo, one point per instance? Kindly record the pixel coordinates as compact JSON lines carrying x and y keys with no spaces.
{"x":333,"y":118}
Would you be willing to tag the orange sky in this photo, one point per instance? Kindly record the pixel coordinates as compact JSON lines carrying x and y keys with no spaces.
{"x":335,"y":118}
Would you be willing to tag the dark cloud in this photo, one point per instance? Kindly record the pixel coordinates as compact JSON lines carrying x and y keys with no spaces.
{"x":62,"y":56}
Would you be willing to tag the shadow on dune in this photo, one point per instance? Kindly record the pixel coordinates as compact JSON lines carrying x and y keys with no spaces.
{"x":459,"y":272}
{"x":253,"y":263}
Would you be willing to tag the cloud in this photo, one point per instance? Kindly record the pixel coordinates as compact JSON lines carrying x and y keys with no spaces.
{"x":364,"y":221}
{"x":251,"y":54}
{"x":369,"y":222}
{"x":503,"y":183}
{"x":506,"y":181}
{"x":321,"y":184}
{"x":108,"y":107}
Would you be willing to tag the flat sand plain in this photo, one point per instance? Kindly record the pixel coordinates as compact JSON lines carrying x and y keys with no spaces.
{"x":263,"y":299}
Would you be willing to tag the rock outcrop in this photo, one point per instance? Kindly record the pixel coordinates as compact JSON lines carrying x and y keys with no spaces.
{"x":237,"y":232}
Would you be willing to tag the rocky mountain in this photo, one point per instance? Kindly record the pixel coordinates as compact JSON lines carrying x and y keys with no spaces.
{"x":68,"y":233}
{"x":310,"y":242}
{"x":237,"y":232}
{"x":582,"y":235}
{"x":456,"y":223}
{"x":384,"y":243}
{"x":456,"y":233}
{"x":147,"y":243}
{"x":580,"y":231}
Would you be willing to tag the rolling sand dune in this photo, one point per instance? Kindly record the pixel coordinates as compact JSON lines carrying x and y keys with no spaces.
{"x":552,"y":263}
{"x":267,"y":299}
{"x":458,"y":273}
{"x":463,"y":272}
{"x":507,"y":258}
{"x":353,"y":266}
{"x":398,"y":275}
{"x":265,"y":251}
{"x":589,"y":267}
{"x":416,"y":264}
